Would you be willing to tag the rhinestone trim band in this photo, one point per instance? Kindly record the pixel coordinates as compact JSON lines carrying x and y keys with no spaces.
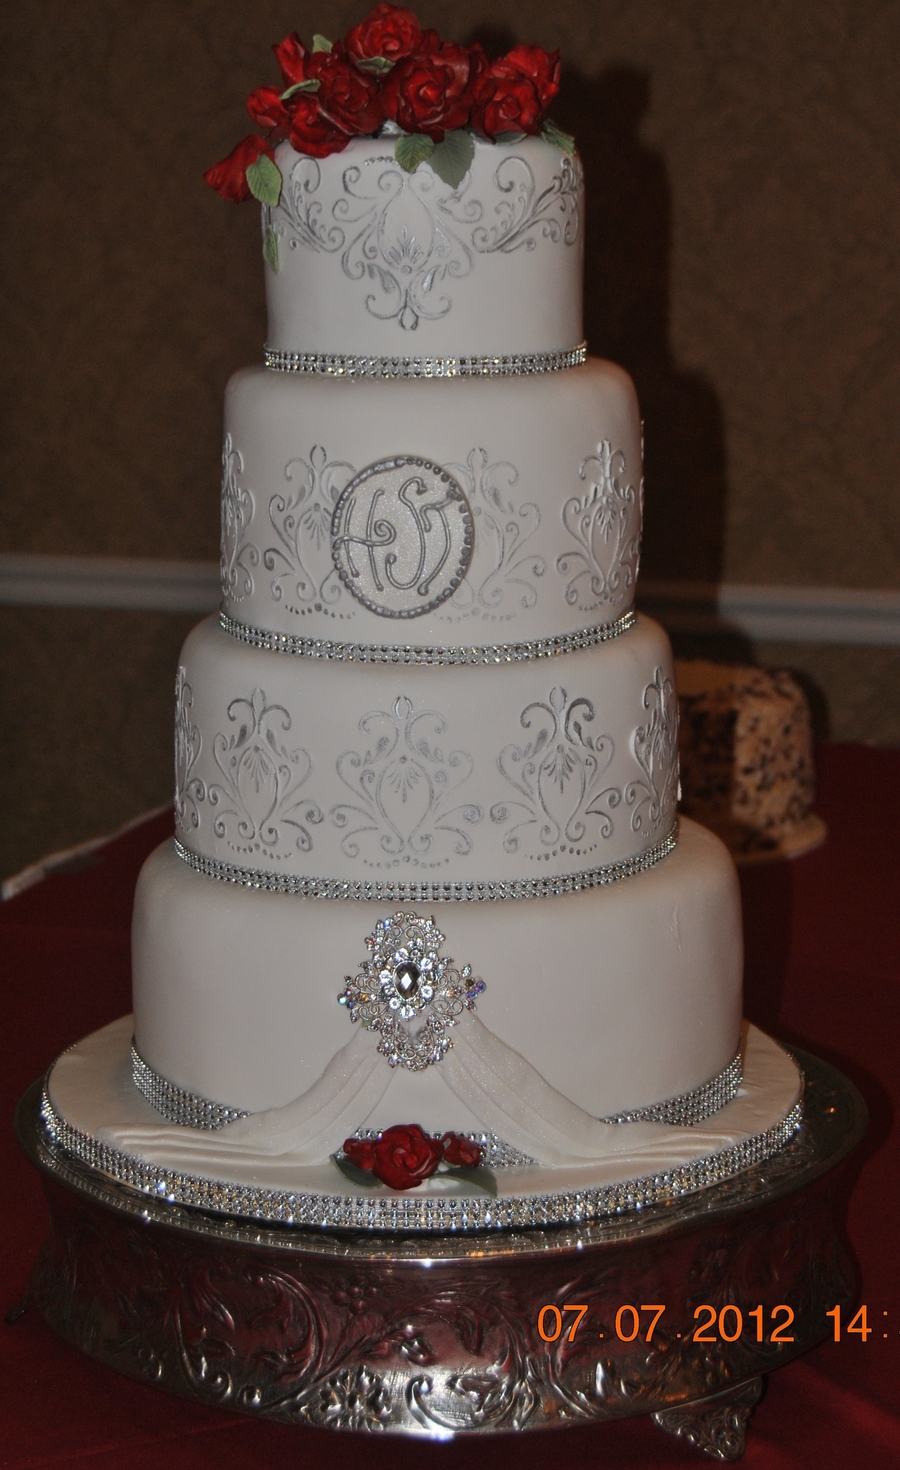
{"x":340,"y":365}
{"x":406,"y":1214}
{"x":691,"y":1107}
{"x":389,"y":653}
{"x":176,"y":1105}
{"x":356,"y":888}
{"x":187,"y":1108}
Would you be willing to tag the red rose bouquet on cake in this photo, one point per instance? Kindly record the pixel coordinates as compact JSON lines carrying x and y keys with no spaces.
{"x":389,"y":77}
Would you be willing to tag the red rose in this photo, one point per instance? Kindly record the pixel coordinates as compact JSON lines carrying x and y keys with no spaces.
{"x":291,"y":55}
{"x":229,"y":178}
{"x":346,"y":97}
{"x":513,"y":93}
{"x":460,"y":1151}
{"x":267,"y":109}
{"x":540,"y":66}
{"x":404,"y":1156}
{"x":360,"y":1151}
{"x":506,"y":102}
{"x":428,"y":92}
{"x":310,"y":131}
{"x":388,"y":31}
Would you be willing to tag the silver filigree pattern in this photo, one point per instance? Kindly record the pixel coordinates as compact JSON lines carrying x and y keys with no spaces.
{"x":407,"y":978}
{"x":176,"y":1104}
{"x":301,"y":517}
{"x":404,"y":787}
{"x":345,"y":365}
{"x":401,"y":536}
{"x":428,"y":890}
{"x":354,"y":1398}
{"x":523,"y":215}
{"x":401,"y":236}
{"x":406,"y":653}
{"x":303,"y":212}
{"x":655,"y":746}
{"x":399,"y":1212}
{"x":189,"y":789}
{"x":501,"y":577}
{"x":239,"y":557}
{"x":558,"y":775}
{"x":259,"y":804}
{"x":606,"y":524}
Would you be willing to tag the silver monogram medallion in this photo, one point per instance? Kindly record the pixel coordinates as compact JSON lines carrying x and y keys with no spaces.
{"x":402,"y":536}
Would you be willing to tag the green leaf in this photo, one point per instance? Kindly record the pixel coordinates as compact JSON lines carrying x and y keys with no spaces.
{"x":270,"y":249}
{"x":452,"y":158}
{"x":555,"y":136}
{"x":481,"y":1178}
{"x":264,"y":180}
{"x":322,"y":43}
{"x":363,"y":1177}
{"x":379,"y":66}
{"x":312,"y":84}
{"x":509,"y":137}
{"x":411,"y":149}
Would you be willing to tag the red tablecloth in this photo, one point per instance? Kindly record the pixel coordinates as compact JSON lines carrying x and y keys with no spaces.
{"x":823,"y":969}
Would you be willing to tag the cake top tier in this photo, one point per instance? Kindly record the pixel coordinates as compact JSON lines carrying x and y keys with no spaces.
{"x":365,"y":259}
{"x":421,"y":215}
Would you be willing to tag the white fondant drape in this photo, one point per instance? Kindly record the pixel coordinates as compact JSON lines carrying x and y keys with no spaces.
{"x":504,"y":1091}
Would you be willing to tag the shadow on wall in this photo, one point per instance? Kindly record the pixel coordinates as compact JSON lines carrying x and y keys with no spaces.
{"x":627,"y":305}
{"x":627,"y":311}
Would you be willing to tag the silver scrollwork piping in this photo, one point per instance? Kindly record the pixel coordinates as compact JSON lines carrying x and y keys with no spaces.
{"x":399,"y":1212}
{"x":393,"y":653}
{"x":447,"y":892}
{"x":342,"y":365}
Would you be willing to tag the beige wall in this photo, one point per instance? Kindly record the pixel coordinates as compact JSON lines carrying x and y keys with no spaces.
{"x":742,"y":262}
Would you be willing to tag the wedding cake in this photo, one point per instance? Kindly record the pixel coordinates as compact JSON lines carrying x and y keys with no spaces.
{"x":430,"y":949}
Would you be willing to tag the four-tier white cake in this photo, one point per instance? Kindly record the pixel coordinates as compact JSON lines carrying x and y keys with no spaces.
{"x":427,"y":867}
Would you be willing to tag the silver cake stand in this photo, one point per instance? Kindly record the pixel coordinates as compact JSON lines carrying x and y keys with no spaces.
{"x":674,"y":1311}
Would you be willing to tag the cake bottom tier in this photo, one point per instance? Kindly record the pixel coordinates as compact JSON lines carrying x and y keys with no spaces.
{"x":604,"y":1003}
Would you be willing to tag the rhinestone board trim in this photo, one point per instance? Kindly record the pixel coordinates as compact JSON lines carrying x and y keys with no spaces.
{"x":192,"y":1111}
{"x":390,"y":653}
{"x":340,"y":365}
{"x":378,"y":892}
{"x":398,"y":1214}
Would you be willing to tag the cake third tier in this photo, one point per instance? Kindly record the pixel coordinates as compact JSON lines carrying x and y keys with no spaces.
{"x":426,"y":782}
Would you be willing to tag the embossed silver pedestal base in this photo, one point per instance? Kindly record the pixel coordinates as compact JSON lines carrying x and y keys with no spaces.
{"x":443,"y":1335}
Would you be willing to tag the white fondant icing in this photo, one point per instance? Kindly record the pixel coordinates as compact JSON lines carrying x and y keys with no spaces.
{"x":550,"y":467}
{"x":373,"y":260}
{"x":324,"y":770}
{"x":619,"y":998}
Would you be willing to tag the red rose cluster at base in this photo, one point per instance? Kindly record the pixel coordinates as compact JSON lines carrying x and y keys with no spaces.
{"x":387,"y":69}
{"x":404,"y":1157}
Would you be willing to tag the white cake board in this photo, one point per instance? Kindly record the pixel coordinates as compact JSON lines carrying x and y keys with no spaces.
{"x":90,"y":1088}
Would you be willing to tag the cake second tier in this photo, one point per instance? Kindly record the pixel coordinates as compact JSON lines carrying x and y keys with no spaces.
{"x":425,"y":782}
{"x":446,"y":513}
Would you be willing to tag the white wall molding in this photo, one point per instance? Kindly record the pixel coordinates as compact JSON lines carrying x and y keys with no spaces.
{"x":109,"y":581}
{"x":847,"y":615}
{"x":842,"y":615}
